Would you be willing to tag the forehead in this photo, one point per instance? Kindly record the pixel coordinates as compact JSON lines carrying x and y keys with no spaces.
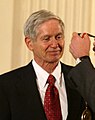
{"x":49,"y":22}
{"x":49,"y":26}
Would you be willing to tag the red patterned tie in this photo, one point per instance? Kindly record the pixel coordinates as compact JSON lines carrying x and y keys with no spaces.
{"x":51,"y":101}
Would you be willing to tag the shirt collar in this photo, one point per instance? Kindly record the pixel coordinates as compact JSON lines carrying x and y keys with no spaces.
{"x":57,"y":73}
{"x":42,"y":75}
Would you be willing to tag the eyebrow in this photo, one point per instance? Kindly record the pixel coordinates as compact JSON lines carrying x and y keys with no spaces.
{"x":90,"y":35}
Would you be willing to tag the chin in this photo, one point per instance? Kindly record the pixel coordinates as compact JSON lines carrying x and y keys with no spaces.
{"x":53,"y":60}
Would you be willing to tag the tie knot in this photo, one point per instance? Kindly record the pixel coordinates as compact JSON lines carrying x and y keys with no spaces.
{"x":51,"y":79}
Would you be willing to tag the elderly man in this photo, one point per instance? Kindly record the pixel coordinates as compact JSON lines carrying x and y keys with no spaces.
{"x":40,"y":90}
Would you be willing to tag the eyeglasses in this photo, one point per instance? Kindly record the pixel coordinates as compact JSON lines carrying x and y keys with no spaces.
{"x":90,"y":35}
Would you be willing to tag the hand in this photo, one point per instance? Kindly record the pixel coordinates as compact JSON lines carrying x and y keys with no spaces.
{"x":79,"y":46}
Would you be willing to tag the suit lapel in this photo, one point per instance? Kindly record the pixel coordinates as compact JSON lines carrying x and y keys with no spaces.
{"x":27,"y":87}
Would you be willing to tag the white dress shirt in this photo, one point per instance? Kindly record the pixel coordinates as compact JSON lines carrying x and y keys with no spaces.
{"x":42,"y":77}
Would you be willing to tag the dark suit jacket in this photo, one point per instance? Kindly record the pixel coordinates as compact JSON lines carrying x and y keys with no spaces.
{"x":20,"y":98}
{"x":82,"y":77}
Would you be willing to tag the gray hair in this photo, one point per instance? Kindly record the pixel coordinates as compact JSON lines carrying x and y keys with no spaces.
{"x":37,"y":18}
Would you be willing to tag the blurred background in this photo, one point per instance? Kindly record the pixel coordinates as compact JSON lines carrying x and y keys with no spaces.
{"x":78,"y":15}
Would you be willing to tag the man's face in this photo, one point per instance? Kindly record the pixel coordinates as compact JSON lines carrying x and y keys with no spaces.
{"x":49,"y":45}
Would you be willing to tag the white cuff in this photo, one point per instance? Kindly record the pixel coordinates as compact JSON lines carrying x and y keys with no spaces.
{"x":78,"y":60}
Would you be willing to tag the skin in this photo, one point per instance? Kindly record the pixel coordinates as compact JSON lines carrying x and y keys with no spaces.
{"x":94,"y":45}
{"x":94,"y":42}
{"x":79,"y":46}
{"x":48,"y":46}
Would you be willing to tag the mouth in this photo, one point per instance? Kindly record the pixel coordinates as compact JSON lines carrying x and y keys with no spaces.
{"x":57,"y":52}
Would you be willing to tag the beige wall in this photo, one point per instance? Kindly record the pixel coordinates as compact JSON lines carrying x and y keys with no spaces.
{"x":6,"y":20}
{"x":78,"y":15}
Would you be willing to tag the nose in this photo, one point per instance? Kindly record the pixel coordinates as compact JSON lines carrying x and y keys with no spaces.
{"x":54,"y":43}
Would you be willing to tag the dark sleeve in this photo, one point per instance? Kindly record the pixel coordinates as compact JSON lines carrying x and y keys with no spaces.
{"x":82,"y":78}
{"x":4,"y":107}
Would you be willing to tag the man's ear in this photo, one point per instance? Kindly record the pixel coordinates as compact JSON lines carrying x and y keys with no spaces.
{"x":29,"y":43}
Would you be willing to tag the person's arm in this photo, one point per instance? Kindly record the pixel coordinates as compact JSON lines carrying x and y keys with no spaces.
{"x":82,"y":76}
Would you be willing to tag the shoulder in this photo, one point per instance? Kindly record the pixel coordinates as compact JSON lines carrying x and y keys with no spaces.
{"x":16,"y":73}
{"x":66,"y":68}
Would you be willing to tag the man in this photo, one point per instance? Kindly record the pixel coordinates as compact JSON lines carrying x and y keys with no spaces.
{"x":82,"y":76}
{"x":23,"y":91}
